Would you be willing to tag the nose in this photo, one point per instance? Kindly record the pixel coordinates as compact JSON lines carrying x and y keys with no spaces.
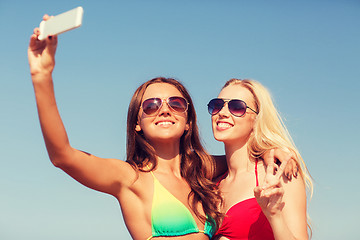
{"x":164,"y":109}
{"x":224,"y":112}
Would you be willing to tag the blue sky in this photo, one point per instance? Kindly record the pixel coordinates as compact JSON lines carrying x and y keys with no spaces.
{"x":306,"y":52}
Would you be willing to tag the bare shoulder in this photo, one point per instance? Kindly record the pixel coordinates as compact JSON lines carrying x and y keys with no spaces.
{"x":140,"y":182}
{"x":294,"y":193}
{"x":294,"y":183}
{"x":132,"y":179}
{"x":137,"y":184}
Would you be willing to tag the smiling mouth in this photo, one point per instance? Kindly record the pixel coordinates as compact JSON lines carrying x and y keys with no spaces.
{"x":223,"y":125}
{"x":164,"y":123}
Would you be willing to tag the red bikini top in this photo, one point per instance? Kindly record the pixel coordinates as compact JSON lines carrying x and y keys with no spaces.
{"x":245,"y":220}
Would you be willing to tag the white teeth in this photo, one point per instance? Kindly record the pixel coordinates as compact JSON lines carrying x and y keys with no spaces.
{"x":224,"y":125}
{"x":164,"y":123}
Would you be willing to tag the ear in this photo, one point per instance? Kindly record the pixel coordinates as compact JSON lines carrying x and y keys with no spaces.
{"x":137,"y":128}
{"x":187,"y":127}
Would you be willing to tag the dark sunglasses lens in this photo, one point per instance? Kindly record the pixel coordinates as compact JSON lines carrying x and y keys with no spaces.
{"x":215,"y":105}
{"x":178,"y":104}
{"x":151,"y":105}
{"x":237,"y":107}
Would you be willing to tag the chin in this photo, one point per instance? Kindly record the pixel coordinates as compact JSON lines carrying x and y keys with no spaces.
{"x":220,"y":138}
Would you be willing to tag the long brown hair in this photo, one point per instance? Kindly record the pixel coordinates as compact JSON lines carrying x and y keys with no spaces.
{"x":196,"y":164}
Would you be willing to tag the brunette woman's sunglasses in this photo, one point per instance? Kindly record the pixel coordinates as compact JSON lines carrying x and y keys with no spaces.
{"x":236,"y":107}
{"x":152,"y":105}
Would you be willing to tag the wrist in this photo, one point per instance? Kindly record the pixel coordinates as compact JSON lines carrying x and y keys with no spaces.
{"x":40,"y":76}
{"x":280,"y":227}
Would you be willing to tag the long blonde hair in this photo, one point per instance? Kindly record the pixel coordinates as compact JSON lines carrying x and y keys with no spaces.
{"x":269,"y":129}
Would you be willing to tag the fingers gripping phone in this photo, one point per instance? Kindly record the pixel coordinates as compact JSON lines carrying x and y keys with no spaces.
{"x":61,"y":23}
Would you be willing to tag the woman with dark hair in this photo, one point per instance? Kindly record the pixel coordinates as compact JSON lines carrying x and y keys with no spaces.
{"x":195,"y":164}
{"x":163,"y":188}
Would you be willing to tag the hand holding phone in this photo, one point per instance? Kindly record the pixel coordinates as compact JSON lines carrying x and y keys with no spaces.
{"x":61,"y":23}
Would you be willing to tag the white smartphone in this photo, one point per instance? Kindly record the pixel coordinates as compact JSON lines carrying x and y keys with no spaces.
{"x":61,"y":23}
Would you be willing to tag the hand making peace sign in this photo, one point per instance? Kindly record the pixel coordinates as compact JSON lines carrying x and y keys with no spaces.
{"x":269,"y":195}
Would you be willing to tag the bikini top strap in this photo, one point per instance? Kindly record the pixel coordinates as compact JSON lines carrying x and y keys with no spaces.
{"x":222,"y":177}
{"x":256,"y":173}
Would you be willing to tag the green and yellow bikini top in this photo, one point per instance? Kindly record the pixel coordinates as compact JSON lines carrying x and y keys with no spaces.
{"x":170,"y":217}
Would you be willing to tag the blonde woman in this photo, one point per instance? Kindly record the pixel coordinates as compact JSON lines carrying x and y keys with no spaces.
{"x":245,"y":120}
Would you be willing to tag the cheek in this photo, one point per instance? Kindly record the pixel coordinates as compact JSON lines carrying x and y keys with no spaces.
{"x":213,"y":119}
{"x":244,"y":125}
{"x":147,"y":132}
{"x":252,"y":123}
{"x":182,"y":118}
{"x":213,"y":124}
{"x":143,"y":124}
{"x":248,"y":127}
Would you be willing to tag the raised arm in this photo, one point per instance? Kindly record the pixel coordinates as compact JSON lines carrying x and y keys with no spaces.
{"x":105,"y":175}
